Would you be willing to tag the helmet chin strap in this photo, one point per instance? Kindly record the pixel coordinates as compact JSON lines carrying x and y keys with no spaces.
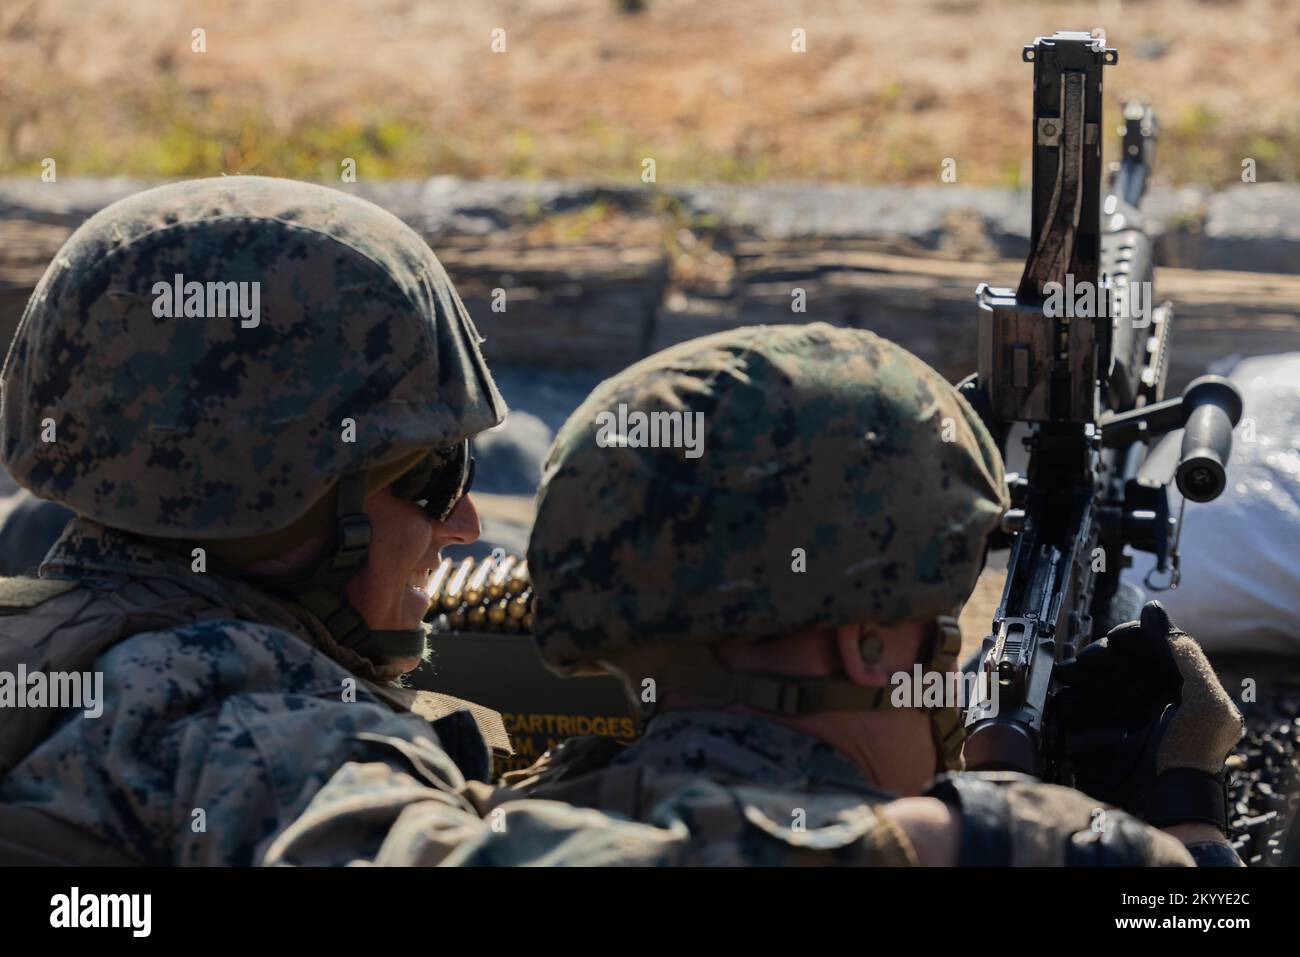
{"x":322,"y":590}
{"x":946,"y":722}
{"x":695,"y":671}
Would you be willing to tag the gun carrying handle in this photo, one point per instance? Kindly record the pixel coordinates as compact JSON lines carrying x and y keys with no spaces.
{"x":1213,"y":407}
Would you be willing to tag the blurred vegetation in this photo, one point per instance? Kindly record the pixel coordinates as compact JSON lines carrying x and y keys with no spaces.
{"x":174,"y":136}
{"x":710,"y":91}
{"x":225,"y":136}
{"x":1197,"y":147}
{"x":1209,"y":148}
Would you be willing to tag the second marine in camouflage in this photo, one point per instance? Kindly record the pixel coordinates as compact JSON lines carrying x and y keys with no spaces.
{"x":758,"y":599}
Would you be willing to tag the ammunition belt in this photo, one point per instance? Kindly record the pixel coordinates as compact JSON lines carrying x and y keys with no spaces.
{"x":489,"y":594}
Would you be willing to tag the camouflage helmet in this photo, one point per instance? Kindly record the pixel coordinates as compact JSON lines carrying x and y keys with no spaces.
{"x":840,"y":479}
{"x":173,"y":417}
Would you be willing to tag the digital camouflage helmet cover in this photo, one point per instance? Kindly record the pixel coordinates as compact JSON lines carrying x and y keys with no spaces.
{"x":205,"y":426}
{"x":249,"y":433}
{"x":840,"y":480}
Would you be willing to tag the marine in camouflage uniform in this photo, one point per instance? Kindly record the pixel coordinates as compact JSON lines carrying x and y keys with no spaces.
{"x":834,"y":448}
{"x":196,"y":447}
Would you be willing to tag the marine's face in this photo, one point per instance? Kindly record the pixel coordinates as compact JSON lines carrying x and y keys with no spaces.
{"x":405,"y":548}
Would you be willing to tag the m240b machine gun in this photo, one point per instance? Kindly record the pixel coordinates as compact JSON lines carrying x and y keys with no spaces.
{"x":1077,"y":353}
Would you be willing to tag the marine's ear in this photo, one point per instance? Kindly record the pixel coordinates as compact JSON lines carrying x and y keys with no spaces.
{"x":870,"y":653}
{"x":861,"y":651}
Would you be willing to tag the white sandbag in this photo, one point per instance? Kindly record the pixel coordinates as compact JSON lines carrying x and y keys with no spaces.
{"x":1240,"y":589}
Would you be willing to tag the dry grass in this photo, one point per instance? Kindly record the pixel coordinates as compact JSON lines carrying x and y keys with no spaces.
{"x":709,"y":88}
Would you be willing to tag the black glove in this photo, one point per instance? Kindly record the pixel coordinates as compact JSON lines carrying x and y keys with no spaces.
{"x":1145,"y":724}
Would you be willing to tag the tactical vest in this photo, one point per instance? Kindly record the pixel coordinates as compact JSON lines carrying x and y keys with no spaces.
{"x":52,"y":625}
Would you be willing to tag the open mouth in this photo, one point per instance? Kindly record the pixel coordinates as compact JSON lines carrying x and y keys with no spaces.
{"x":420,"y":580}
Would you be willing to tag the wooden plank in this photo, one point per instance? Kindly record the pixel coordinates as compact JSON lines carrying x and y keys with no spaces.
{"x":604,"y":305}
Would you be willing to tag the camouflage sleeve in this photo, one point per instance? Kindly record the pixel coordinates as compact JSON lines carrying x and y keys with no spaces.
{"x":392,"y":811}
{"x":378,"y":813}
{"x":744,"y":825}
{"x":262,"y":758}
{"x":212,"y":738}
{"x":375,"y":813}
{"x":228,"y":742}
{"x":1015,"y":820}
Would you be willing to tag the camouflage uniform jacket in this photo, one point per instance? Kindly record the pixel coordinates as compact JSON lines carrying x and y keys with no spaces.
{"x":704,"y":791}
{"x":747,"y":791}
{"x":750,"y":791}
{"x":217,"y":732}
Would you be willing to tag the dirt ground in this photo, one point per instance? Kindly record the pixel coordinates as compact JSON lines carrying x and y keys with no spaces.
{"x":710,"y":89}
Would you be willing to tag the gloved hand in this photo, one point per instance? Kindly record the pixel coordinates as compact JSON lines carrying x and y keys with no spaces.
{"x":1145,"y":723}
{"x":1013,"y":820}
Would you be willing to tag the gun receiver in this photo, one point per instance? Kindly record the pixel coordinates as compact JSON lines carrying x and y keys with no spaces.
{"x":1078,"y":352}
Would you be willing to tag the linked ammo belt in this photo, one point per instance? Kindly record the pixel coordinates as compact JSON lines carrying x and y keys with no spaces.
{"x":489,"y":594}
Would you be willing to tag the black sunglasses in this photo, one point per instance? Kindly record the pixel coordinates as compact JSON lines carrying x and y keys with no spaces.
{"x":438,"y":481}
